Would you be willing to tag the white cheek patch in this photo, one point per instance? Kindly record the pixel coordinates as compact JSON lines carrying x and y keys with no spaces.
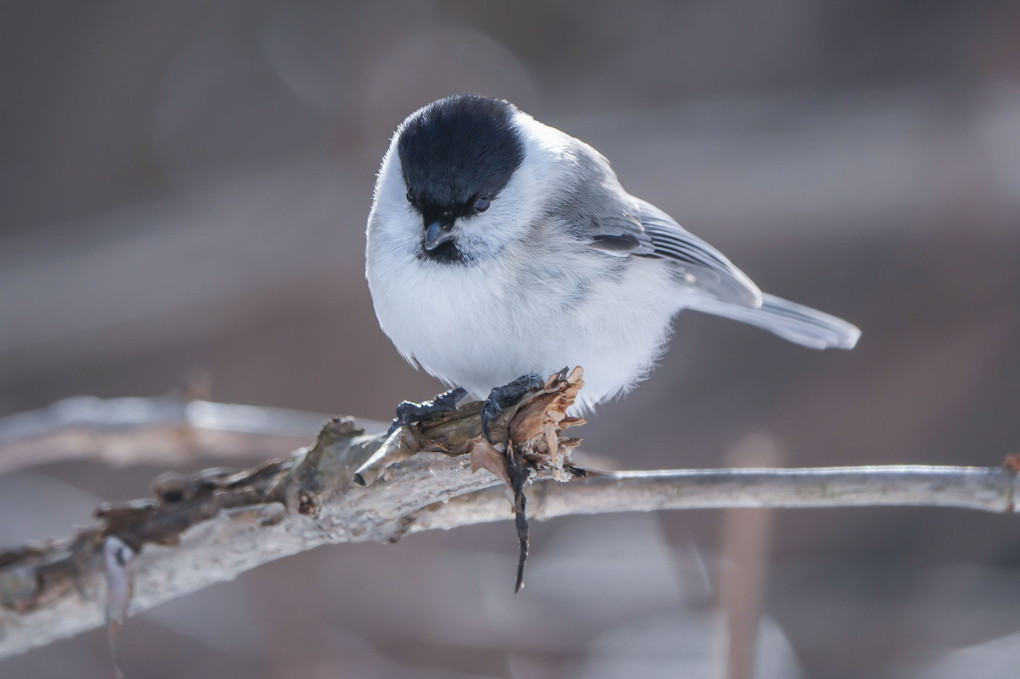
{"x":393,"y":220}
{"x":508,"y":218}
{"x":520,"y":204}
{"x":514,"y":212}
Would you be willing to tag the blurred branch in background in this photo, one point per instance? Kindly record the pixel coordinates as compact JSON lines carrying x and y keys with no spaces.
{"x":211,"y":526}
{"x":744,"y":538}
{"x":151,"y":430}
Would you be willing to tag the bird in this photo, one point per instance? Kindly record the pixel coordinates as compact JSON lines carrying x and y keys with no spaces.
{"x":500,"y":250}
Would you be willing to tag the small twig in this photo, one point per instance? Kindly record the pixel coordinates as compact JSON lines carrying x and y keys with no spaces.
{"x":519,"y":474}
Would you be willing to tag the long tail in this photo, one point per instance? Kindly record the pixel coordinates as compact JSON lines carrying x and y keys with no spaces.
{"x":791,"y":321}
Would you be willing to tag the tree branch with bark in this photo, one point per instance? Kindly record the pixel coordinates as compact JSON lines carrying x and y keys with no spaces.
{"x":350,"y":486}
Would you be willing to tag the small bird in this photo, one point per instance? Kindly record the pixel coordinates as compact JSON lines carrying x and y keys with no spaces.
{"x":501,"y":248}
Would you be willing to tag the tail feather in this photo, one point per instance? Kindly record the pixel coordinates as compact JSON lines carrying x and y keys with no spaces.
{"x":791,"y":321}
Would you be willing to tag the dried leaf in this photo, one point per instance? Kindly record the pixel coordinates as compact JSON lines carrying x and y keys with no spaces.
{"x":519,"y":473}
{"x":484,"y":456}
{"x":538,"y":425}
{"x":531,"y":428}
{"x":534,"y":441}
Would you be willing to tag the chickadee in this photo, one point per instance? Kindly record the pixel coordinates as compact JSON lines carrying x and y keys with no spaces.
{"x":499,"y":247}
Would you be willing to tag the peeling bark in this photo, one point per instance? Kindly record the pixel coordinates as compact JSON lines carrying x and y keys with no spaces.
{"x":204,"y":528}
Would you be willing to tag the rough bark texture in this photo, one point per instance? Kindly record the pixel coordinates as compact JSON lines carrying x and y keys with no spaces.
{"x":205,"y":528}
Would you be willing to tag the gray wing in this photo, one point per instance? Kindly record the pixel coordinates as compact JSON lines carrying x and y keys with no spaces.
{"x":638,"y":228}
{"x":599,"y":212}
{"x":725,"y":290}
{"x":606,"y":217}
{"x":700,"y":264}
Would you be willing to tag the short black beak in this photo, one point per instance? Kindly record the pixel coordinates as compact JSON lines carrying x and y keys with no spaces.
{"x":438,"y":232}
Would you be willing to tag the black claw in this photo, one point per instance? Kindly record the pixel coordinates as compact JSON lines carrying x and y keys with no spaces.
{"x":409,"y":412}
{"x":508,"y":394}
{"x":490,"y":411}
{"x":576,"y":472}
{"x":449,"y":399}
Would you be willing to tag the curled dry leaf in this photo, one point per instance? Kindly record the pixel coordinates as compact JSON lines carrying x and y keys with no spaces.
{"x":532,"y":428}
{"x":537,"y":427}
{"x":485,"y":456}
{"x":534,"y":424}
{"x":534,"y":443}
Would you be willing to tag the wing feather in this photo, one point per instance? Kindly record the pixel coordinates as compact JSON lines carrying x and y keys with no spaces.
{"x":600,"y":213}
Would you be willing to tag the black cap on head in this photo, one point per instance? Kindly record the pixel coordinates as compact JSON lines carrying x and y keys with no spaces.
{"x":456,"y":149}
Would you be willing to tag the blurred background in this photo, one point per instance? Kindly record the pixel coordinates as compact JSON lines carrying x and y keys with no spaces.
{"x":183,"y":191}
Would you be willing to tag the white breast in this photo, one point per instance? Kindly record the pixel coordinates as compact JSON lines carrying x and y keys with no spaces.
{"x":543,"y":303}
{"x":482,"y":326}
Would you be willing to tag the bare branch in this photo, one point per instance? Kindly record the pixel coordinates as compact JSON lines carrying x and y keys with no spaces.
{"x":206,"y":528}
{"x":154,"y":430}
{"x":988,"y":489}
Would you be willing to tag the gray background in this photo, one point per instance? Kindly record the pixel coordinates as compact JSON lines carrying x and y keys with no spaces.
{"x":183,"y":190}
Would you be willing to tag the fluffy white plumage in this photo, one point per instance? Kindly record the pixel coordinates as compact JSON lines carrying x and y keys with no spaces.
{"x":538,"y":287}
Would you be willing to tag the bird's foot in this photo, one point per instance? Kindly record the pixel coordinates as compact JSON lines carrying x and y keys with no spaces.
{"x":409,"y":412}
{"x":575,"y":471}
{"x":507,"y":395}
{"x":518,"y":470}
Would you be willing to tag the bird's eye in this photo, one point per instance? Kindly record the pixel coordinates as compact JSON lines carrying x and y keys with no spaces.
{"x":482,"y":203}
{"x":410,"y":198}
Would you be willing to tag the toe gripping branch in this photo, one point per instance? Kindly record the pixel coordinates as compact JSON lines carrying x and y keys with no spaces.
{"x":508,"y":395}
{"x":517,"y":471}
{"x":521,"y":423}
{"x":409,"y":412}
{"x":516,"y":434}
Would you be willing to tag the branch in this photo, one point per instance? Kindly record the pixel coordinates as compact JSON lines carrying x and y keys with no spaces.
{"x":209,"y":527}
{"x":989,"y":489}
{"x":154,"y":430}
